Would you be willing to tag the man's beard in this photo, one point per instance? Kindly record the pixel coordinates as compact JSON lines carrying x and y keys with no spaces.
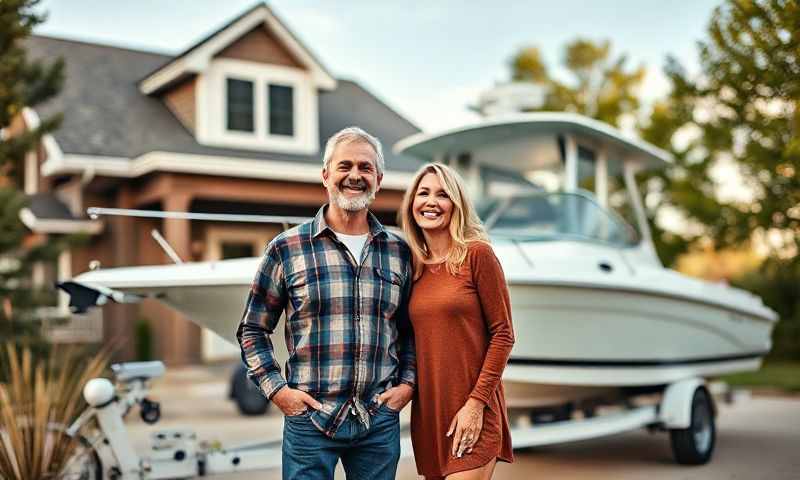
{"x":354,"y":204}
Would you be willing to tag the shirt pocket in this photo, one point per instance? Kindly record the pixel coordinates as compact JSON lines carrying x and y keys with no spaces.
{"x":304,"y":289}
{"x":387,"y":290}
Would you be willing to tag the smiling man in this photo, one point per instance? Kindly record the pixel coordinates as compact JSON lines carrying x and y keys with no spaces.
{"x":343,"y":282}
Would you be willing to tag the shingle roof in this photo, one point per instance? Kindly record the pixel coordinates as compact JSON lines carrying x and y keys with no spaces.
{"x":48,"y":206}
{"x":105,"y":113}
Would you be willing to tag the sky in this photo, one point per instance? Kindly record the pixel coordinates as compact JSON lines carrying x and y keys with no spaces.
{"x":429,"y":60}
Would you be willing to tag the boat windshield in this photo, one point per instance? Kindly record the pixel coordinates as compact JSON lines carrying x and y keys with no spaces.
{"x":554,"y":216}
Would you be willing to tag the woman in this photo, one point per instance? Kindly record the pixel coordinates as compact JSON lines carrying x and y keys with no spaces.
{"x":461,"y":315}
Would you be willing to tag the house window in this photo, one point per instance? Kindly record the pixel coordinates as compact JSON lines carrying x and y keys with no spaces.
{"x":240,"y":105}
{"x":238,"y":249}
{"x":281,"y":110}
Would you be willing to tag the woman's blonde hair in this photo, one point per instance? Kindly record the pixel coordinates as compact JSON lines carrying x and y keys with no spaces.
{"x":465,"y":226}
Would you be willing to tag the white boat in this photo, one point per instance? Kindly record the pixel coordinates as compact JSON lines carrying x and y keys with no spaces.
{"x":595,"y":313}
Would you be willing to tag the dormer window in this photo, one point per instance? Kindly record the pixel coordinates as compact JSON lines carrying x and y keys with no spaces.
{"x":281,"y":110}
{"x":257,"y":106}
{"x":251,"y":85}
{"x":240,"y":105}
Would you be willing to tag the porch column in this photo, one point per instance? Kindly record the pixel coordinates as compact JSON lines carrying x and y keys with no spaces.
{"x":182,"y":343}
{"x":119,"y":319}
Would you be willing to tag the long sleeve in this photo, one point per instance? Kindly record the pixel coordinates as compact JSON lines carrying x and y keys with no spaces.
{"x":266,"y":301}
{"x":405,"y":336}
{"x":490,"y":283}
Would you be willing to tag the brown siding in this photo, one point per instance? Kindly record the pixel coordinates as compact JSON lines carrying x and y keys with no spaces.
{"x":181,"y":102}
{"x":262,"y":46}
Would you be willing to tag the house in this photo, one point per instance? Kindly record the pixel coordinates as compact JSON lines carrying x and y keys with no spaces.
{"x":235,"y":124}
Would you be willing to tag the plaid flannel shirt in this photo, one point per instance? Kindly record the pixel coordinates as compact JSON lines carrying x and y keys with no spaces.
{"x":347,"y":329}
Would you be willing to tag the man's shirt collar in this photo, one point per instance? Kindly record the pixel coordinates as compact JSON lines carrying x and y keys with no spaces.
{"x":319,"y":225}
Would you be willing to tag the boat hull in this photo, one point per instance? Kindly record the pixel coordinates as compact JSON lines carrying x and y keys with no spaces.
{"x":603,"y":337}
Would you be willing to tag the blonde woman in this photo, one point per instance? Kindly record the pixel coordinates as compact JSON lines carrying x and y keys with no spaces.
{"x":460,"y":311}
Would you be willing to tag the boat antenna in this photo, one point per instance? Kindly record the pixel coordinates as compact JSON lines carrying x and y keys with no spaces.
{"x":95,"y":212}
{"x":162,"y":242}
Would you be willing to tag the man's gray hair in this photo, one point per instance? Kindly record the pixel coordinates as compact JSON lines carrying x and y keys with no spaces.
{"x":353,"y":134}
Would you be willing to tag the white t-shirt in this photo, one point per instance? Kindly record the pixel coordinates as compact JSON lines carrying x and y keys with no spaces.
{"x":354,"y":243}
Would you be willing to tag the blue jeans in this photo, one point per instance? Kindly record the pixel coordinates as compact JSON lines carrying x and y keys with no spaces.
{"x":365,"y":454}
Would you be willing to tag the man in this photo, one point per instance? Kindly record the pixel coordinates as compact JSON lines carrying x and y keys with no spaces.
{"x":343,"y":281}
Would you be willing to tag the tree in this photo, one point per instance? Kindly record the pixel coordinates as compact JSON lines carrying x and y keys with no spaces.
{"x":600,"y":87}
{"x":23,"y":83}
{"x":743,"y":112}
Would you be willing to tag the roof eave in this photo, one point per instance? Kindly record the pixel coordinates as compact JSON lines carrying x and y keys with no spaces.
{"x":197,"y":58}
{"x":60,"y":225}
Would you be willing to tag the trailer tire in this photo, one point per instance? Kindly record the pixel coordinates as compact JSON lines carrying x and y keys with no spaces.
{"x":249,"y":400}
{"x":695,"y":445}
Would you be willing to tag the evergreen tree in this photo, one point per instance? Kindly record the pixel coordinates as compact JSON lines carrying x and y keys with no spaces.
{"x":23,"y":83}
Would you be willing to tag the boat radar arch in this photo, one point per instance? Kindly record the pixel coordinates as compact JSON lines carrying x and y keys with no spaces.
{"x":522,"y":153}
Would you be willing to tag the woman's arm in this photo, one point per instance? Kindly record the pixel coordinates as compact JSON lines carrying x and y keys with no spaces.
{"x":490,"y":283}
{"x":496,"y":308}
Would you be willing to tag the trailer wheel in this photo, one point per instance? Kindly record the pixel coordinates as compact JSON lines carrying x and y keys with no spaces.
{"x":248,"y":399}
{"x":694,"y":445}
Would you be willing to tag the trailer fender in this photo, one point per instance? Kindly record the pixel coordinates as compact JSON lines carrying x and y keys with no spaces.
{"x":675,"y":410}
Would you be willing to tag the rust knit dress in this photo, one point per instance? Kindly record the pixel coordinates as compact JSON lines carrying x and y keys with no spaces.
{"x":463,"y":333}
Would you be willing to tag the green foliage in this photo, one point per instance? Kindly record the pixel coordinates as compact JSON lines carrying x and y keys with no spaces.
{"x":600,"y":87}
{"x":777,"y":282}
{"x":23,"y":83}
{"x":745,"y":109}
{"x":783,"y":375}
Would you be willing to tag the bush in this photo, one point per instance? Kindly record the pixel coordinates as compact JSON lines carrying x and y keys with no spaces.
{"x":42,"y":395}
{"x":777,"y":282}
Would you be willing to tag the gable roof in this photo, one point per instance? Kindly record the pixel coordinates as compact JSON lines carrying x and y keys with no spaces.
{"x":106,"y":115}
{"x":197,"y":57}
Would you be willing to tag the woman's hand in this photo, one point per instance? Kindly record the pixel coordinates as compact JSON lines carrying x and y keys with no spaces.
{"x":466,"y":425}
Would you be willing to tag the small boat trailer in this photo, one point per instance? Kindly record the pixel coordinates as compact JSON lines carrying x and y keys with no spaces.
{"x":685,"y":409}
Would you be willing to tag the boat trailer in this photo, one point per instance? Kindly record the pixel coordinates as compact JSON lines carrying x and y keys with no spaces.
{"x":685,"y":409}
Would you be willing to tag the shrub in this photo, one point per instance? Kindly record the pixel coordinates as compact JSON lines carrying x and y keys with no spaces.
{"x":41,"y":397}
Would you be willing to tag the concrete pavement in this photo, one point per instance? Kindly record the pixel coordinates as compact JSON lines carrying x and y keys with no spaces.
{"x":757,"y":438}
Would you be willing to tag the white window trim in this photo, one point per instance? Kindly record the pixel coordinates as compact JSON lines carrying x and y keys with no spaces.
{"x":212,"y":112}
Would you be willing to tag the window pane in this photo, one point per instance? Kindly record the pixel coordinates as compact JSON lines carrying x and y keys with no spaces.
{"x":237,"y":250}
{"x":281,"y":110}
{"x":240,"y":105}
